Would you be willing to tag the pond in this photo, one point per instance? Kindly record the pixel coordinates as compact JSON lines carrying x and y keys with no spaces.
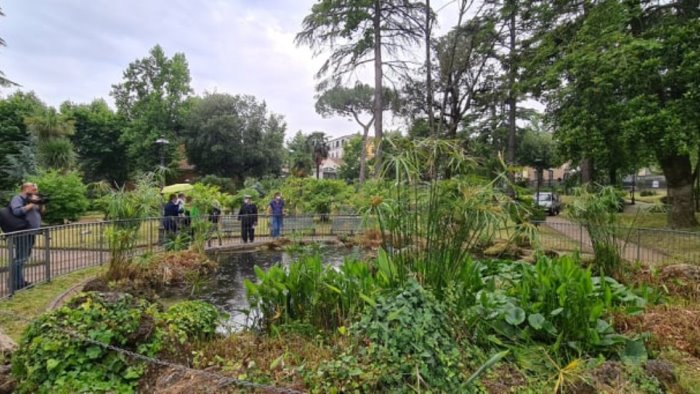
{"x":226,"y":290}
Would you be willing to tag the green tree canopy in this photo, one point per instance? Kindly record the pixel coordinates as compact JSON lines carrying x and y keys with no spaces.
{"x":153,"y":99}
{"x":352,"y":151}
{"x":234,"y":136}
{"x":359,"y":32}
{"x":300,"y":160}
{"x":16,"y":143}
{"x":97,"y":139}
{"x":626,"y":88}
{"x":51,"y":130}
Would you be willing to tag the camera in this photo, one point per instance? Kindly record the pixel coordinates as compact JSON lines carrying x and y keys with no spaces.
{"x":39,"y":199}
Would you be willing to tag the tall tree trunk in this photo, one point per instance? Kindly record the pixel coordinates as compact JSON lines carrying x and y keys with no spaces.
{"x":512,"y":71}
{"x":586,"y":170}
{"x":679,"y":178}
{"x":363,"y":153}
{"x":318,"y":167}
{"x":612,"y":174}
{"x":697,"y":183}
{"x":429,"y":70}
{"x":378,"y":78}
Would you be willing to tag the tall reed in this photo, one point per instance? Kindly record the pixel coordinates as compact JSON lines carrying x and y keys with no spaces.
{"x":127,"y":209}
{"x":430,"y":226}
{"x":597,"y":212}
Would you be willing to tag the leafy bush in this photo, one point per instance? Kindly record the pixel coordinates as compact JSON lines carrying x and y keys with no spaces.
{"x":647,"y":193}
{"x":310,"y":291}
{"x":322,"y":196}
{"x":190,"y":320}
{"x":67,"y":193}
{"x":52,"y":358}
{"x":404,"y":343}
{"x":554,"y":302}
{"x":49,"y":359}
{"x":226,"y":185}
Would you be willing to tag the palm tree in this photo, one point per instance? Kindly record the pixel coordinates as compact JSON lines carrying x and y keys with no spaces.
{"x":54,"y":149}
{"x":319,"y":149}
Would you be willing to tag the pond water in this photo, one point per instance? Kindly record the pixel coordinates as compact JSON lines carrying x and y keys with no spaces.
{"x":226,"y":290}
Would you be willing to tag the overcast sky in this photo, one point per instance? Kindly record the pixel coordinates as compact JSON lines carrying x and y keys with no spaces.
{"x":76,"y":49}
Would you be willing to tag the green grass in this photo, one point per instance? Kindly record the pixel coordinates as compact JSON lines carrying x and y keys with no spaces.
{"x":30,"y":303}
{"x":649,"y":199}
{"x":649,"y":220}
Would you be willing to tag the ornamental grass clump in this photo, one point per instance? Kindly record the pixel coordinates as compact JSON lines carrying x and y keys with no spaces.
{"x":597,"y":212}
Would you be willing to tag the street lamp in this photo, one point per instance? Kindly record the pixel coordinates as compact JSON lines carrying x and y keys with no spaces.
{"x":161,"y":142}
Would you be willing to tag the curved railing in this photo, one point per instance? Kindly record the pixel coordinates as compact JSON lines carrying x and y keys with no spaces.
{"x":58,"y":250}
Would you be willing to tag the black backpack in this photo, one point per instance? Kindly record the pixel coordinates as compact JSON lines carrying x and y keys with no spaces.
{"x":9,"y":222}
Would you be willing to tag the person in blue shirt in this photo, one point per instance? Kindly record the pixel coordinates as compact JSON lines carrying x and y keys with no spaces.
{"x":24,"y":205}
{"x":277,"y":211}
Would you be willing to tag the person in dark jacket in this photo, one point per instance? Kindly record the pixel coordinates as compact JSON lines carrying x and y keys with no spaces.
{"x":277,"y":211}
{"x":24,"y":205}
{"x":170,"y":214}
{"x":248,"y":216}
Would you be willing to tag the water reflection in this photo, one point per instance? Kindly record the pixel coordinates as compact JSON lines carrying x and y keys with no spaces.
{"x":226,"y":289}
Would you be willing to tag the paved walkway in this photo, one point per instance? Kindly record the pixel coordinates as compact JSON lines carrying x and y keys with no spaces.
{"x":630,"y":252}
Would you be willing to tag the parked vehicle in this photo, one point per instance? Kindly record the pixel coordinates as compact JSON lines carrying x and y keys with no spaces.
{"x":548,"y":201}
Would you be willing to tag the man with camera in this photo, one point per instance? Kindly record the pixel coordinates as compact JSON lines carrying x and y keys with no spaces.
{"x":27,"y":205}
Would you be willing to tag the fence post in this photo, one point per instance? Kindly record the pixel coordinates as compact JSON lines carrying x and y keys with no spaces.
{"x":10,"y":264}
{"x":47,"y":254}
{"x":101,"y":243}
{"x":639,"y":243}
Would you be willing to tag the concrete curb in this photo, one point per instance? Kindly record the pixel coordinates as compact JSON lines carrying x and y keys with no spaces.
{"x":63,"y":297}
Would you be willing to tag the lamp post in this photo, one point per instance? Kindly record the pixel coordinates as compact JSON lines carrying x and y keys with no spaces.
{"x":161,"y":142}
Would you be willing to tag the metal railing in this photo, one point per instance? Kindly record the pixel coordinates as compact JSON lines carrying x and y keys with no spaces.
{"x":36,"y":256}
{"x":647,"y":245}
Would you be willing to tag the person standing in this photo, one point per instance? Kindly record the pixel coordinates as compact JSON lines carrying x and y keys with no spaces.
{"x":170,"y":214}
{"x":248,"y":216}
{"x":25,"y":205}
{"x":181,"y":204}
{"x":277,"y":211}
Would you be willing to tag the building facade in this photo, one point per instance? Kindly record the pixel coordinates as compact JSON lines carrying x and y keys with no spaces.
{"x":335,"y":146}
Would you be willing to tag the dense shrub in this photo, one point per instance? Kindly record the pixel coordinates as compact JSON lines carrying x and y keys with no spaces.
{"x":647,"y":193}
{"x":402,"y":343}
{"x":226,"y":185}
{"x":322,"y":196}
{"x":52,"y":358}
{"x":67,"y":193}
{"x":553,"y":302}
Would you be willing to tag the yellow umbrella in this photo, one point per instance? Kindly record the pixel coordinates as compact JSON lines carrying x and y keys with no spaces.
{"x":176,"y":188}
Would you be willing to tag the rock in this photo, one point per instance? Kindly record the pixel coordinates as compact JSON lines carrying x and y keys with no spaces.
{"x":609,"y":373}
{"x":502,"y":248}
{"x":7,"y":345}
{"x":7,"y":382}
{"x":662,"y":371}
{"x":681,"y":271}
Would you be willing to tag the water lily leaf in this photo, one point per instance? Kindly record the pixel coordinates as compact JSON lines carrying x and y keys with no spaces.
{"x":635,"y":353}
{"x":536,"y":321}
{"x":515,"y":316}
